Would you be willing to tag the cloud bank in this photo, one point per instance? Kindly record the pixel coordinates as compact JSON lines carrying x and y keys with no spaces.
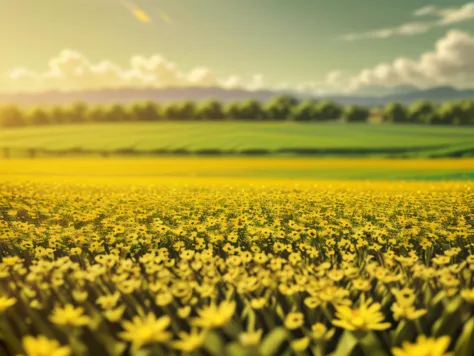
{"x":71,"y":70}
{"x":450,"y":63}
{"x":442,"y":17}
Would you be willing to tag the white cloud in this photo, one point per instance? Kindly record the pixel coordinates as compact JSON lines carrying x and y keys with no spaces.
{"x":232,"y":82}
{"x":426,"y":10}
{"x":256,"y":83}
{"x":443,"y":17}
{"x":307,"y":87}
{"x":450,"y":63}
{"x":455,"y":15}
{"x":71,"y":70}
{"x":201,"y":76}
{"x":334,"y":78}
{"x":407,"y":29}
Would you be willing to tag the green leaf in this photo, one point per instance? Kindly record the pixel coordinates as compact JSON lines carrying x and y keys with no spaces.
{"x":268,"y":318}
{"x":232,"y":329}
{"x":12,"y":342}
{"x":372,"y":346}
{"x":214,"y":344}
{"x":140,"y":352}
{"x":465,"y":343}
{"x":454,"y":305}
{"x":273,"y":341}
{"x":280,"y":312}
{"x":235,"y":349}
{"x":449,"y":321}
{"x":403,"y":332}
{"x":251,"y":320}
{"x":438,"y":298}
{"x":345,"y":345}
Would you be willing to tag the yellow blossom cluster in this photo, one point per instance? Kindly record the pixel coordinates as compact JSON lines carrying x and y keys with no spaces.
{"x":236,"y":269}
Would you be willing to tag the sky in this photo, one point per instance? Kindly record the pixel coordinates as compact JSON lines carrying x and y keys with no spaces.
{"x":306,"y":45}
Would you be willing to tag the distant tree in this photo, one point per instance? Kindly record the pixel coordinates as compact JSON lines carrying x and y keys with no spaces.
{"x":421,"y":112}
{"x":280,"y":107}
{"x":97,"y":113}
{"x":58,"y":115}
{"x":355,"y":114}
{"x":78,"y":112}
{"x":251,"y":110}
{"x":147,"y":111}
{"x":305,"y":111}
{"x":328,"y":110}
{"x":11,"y":116}
{"x":233,"y":111}
{"x":467,"y":108}
{"x":210,"y":110}
{"x":38,"y":116}
{"x":170,"y":111}
{"x":450,"y":113}
{"x":186,"y":110}
{"x":136,"y":111}
{"x":116,"y":113}
{"x":395,"y":112}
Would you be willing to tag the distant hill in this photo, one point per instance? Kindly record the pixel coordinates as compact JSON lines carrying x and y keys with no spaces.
{"x":384,"y":90}
{"x":129,"y":95}
{"x":401,"y":94}
{"x":407,"y":96}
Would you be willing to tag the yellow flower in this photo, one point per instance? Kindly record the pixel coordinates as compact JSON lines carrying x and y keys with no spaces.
{"x":79,"y":296}
{"x":187,"y":254}
{"x":184,"y":311}
{"x":367,"y":317}
{"x":258,"y":303}
{"x":108,"y":301}
{"x":6,"y":303}
{"x":69,"y":316}
{"x":424,"y":347}
{"x":299,"y":345}
{"x":75,"y":251}
{"x":10,"y":261}
{"x":312,"y":302}
{"x":294,"y":320}
{"x":35,"y":304}
{"x":468,"y":295}
{"x":320,"y":332}
{"x":42,"y":346}
{"x":189,"y":341}
{"x":407,"y":311}
{"x":404,"y":305}
{"x":163,"y":299}
{"x":250,"y":338}
{"x":114,"y":315}
{"x":143,"y":331}
{"x":260,"y":258}
{"x":214,"y":316}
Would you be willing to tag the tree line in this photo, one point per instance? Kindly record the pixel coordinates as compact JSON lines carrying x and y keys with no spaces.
{"x":280,"y":108}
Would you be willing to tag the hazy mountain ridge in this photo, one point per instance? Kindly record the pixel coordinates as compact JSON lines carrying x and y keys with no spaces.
{"x":402,"y":94}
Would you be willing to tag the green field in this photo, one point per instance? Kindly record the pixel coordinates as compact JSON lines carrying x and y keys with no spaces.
{"x":227,"y":169}
{"x":245,"y":138}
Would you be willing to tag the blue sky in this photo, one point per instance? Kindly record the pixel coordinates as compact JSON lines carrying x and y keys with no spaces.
{"x":312,"y":45}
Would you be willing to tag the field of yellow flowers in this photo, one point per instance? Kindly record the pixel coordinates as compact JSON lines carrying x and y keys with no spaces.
{"x":348,"y":268}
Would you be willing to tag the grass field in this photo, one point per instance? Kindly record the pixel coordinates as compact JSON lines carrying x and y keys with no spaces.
{"x":237,"y":168}
{"x":246,"y":138}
